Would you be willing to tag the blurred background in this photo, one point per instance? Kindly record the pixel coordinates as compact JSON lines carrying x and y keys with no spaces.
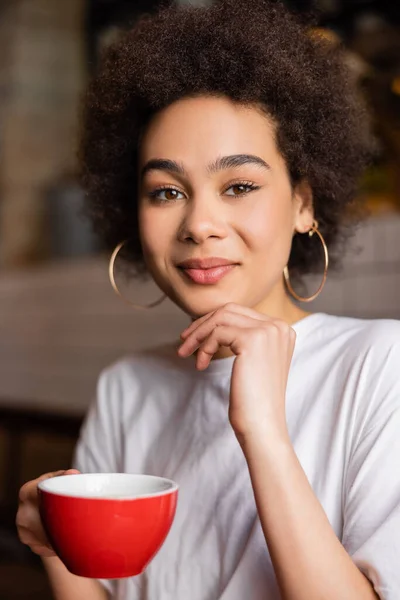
{"x":60,"y":322}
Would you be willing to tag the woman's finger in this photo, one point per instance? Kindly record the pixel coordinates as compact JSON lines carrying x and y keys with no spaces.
{"x":28,"y":521}
{"x":224,"y":319}
{"x":42,"y":551}
{"x":29,"y":491}
{"x":186,"y":332}
{"x":245,"y":310}
{"x":227,"y":336}
{"x":230,"y":307}
{"x":31,"y":537}
{"x":30,"y":528}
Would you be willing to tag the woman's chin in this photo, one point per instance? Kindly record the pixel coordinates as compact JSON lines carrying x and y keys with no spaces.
{"x":198,"y":305}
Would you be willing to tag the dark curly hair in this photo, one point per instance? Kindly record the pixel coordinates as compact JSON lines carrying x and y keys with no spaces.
{"x":256,"y":53}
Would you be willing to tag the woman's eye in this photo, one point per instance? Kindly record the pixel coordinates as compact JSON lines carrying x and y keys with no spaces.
{"x":166,"y":194}
{"x":239,"y":189}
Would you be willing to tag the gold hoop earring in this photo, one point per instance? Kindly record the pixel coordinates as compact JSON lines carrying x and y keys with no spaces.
{"x":314,"y":229}
{"x":115,"y":287}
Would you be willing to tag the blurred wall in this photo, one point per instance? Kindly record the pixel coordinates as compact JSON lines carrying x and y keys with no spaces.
{"x":41,"y":75}
{"x":368,"y":286}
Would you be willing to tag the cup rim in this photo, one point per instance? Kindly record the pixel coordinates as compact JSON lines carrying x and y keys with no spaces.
{"x":45,"y":487}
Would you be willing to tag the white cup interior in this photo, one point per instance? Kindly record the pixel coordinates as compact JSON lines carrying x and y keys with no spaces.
{"x":108,"y":486}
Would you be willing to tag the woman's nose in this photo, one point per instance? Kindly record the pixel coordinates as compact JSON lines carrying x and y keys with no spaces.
{"x":203,"y":219}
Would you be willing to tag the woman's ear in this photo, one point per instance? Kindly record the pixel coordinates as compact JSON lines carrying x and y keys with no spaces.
{"x":303,"y":207}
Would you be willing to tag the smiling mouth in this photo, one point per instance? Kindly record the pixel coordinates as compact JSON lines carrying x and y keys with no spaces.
{"x":207,"y":276}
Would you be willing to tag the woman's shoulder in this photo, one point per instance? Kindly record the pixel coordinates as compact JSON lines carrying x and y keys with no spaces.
{"x":365,"y":352}
{"x":358,"y":362}
{"x":353,"y":334}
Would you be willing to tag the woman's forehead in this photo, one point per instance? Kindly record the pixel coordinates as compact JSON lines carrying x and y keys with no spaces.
{"x":204,"y":129}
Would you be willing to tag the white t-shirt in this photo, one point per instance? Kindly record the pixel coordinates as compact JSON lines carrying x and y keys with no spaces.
{"x":156,"y":414}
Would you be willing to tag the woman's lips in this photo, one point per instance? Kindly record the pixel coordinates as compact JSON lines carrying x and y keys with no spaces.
{"x":208,"y":276}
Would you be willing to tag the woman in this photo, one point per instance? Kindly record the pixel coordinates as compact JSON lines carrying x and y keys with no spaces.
{"x":216,"y":139}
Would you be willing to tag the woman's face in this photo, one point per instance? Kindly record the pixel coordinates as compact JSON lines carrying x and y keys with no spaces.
{"x":213,"y":185}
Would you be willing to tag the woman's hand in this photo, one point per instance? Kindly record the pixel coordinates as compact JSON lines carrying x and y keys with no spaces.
{"x":264,"y":349}
{"x":29,"y":524}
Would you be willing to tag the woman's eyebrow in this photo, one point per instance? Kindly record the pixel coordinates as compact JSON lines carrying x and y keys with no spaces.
{"x":236,"y":160}
{"x":163,"y":164}
{"x":221,"y":163}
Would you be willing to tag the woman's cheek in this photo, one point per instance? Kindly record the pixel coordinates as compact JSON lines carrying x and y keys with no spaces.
{"x":267,"y":229}
{"x":256,"y":225}
{"x":149,"y":228}
{"x":155,"y":240}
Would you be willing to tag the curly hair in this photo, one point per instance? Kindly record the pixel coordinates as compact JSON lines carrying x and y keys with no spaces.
{"x":254,"y":52}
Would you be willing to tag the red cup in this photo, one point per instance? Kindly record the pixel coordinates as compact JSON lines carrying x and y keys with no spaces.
{"x":104,"y":525}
